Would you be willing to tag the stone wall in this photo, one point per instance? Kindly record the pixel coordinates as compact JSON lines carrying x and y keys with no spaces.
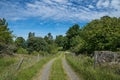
{"x":101,"y":57}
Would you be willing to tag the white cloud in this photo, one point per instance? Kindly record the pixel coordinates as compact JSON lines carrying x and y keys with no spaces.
{"x":61,"y":10}
{"x":90,"y":6}
{"x":115,"y":4}
{"x":103,"y":3}
{"x":61,"y":1}
{"x":106,"y":3}
{"x":57,"y":1}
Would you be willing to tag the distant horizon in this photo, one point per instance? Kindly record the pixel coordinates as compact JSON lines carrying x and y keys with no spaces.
{"x":54,"y":16}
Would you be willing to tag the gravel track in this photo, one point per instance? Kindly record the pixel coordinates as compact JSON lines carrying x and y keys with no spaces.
{"x":70,"y":73}
{"x":44,"y":73}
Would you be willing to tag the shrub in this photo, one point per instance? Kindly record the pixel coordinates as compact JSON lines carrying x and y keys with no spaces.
{"x":22,"y":51}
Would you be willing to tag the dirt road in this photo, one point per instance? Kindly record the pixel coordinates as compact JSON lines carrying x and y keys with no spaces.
{"x":44,"y":73}
{"x":70,"y":73}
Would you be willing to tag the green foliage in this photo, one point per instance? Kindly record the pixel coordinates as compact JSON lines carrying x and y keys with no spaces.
{"x":5,"y":34}
{"x":103,"y":34}
{"x":71,"y":35}
{"x":5,"y":62}
{"x":31,"y":35}
{"x":30,"y":72}
{"x":5,"y":38}
{"x":99,"y":34}
{"x":49,"y":38}
{"x":52,"y":49}
{"x":80,"y":46}
{"x":41,"y":45}
{"x":73,"y":31}
{"x":20,"y":42}
{"x":35,"y":53}
{"x":22,"y":51}
{"x":36,"y":44}
{"x":60,"y":40}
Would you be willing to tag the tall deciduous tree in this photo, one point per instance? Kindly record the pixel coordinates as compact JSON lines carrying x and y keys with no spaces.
{"x":60,"y":40}
{"x":99,"y":34}
{"x":71,"y":35}
{"x":36,"y":44}
{"x":103,"y":34}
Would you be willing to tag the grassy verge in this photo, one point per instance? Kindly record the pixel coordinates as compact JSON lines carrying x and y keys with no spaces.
{"x":6,"y":62}
{"x":84,"y":67}
{"x":28,"y":73}
{"x":57,"y":71}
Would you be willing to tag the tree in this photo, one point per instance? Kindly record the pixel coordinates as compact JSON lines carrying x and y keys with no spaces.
{"x":80,"y":46}
{"x":71,"y":34}
{"x":5,"y":38}
{"x":60,"y":40}
{"x":20,"y":42}
{"x":73,"y":31}
{"x":103,"y":34}
{"x":49,"y":38}
{"x":5,"y":34}
{"x":30,"y":35}
{"x":36,"y":44}
{"x":99,"y":34}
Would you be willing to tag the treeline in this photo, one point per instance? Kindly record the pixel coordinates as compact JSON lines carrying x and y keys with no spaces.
{"x":99,"y":34}
{"x":33,"y":45}
{"x":36,"y":45}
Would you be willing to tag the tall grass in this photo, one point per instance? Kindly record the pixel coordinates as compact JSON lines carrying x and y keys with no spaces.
{"x":29,"y":67}
{"x":29,"y":72}
{"x":6,"y":62}
{"x":83,"y":65}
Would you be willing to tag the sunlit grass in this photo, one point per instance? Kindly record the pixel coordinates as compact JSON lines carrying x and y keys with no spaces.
{"x":83,"y":65}
{"x":57,"y":71}
{"x":6,"y":62}
{"x":30,"y":72}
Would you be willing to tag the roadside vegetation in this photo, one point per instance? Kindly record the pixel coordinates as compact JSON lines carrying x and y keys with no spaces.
{"x":30,"y":72}
{"x":83,"y":65}
{"x":6,"y":62}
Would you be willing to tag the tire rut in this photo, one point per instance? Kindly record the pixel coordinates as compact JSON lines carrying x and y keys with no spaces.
{"x":70,"y":73}
{"x":44,"y":73}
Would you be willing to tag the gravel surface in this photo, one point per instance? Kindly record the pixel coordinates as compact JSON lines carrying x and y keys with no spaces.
{"x":71,"y":74}
{"x":44,"y":73}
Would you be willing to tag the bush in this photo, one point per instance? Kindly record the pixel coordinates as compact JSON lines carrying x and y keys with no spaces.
{"x":35,"y":53}
{"x":22,"y":51}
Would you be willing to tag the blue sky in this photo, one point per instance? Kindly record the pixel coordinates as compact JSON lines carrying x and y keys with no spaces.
{"x":55,"y":16}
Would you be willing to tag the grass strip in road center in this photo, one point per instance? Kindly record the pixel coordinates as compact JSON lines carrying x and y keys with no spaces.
{"x":57,"y":71}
